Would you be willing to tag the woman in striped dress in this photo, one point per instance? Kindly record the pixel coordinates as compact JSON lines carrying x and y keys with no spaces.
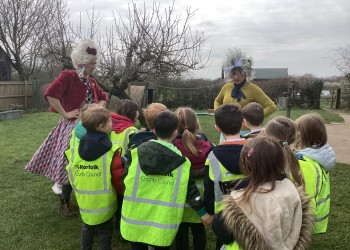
{"x":71,"y":90}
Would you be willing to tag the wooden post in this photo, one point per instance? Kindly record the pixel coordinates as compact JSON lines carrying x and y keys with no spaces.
{"x":289,"y":102}
{"x":25,"y":95}
{"x":128,"y":89}
{"x":337,"y":101}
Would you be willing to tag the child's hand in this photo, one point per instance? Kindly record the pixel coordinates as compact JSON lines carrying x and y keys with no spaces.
{"x":207,"y":219}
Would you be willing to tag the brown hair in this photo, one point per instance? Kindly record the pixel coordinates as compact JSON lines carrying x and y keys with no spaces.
{"x":237,"y":69}
{"x":254,"y":113}
{"x":262,"y":161}
{"x":152,"y":111}
{"x":228,"y":118}
{"x":165,"y":123}
{"x":283,"y":129}
{"x":127,"y":108}
{"x":93,"y":116}
{"x":188,"y":127}
{"x":311,"y":131}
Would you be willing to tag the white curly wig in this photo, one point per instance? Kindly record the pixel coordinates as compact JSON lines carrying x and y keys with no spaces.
{"x":84,"y":53}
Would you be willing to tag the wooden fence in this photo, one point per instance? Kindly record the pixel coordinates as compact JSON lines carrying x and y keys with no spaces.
{"x":15,"y":95}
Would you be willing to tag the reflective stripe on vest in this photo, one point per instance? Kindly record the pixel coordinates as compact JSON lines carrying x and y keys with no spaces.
{"x":218,"y":173}
{"x":151,"y":223}
{"x":153,"y":203}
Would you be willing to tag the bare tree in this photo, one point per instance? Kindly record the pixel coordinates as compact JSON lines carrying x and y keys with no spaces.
{"x":150,"y":45}
{"x":58,"y":42}
{"x":341,"y":59}
{"x":23,"y":24}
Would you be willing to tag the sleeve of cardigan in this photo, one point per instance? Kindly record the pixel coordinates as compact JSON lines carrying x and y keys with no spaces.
{"x":219,"y":98}
{"x":265,"y":101}
{"x":209,"y":197}
{"x":220,"y":230}
{"x":58,"y":86}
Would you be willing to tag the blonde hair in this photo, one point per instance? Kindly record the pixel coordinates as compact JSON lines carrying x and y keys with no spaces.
{"x":311,"y":131}
{"x":283,"y":129}
{"x":84,"y":53}
{"x":93,"y":116}
{"x":152,"y":111}
{"x":188,"y":127}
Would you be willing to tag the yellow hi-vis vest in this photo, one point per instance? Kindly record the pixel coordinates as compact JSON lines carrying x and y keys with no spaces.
{"x":92,"y":184}
{"x":153,"y":205}
{"x":74,"y":140}
{"x":218,"y":173}
{"x":233,"y":246}
{"x":122,"y":139}
{"x":317,"y":186}
{"x":190,"y":215}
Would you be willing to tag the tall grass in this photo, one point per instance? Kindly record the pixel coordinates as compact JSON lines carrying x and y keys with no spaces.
{"x":29,"y":217}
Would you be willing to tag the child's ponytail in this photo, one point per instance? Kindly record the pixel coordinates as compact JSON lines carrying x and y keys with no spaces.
{"x":189,"y":142}
{"x":188,"y":127}
{"x":293,"y":165}
{"x":284,"y":130}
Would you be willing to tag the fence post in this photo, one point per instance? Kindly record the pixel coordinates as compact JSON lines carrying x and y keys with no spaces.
{"x":25,"y":95}
{"x":289,"y":102}
{"x":337,"y":102}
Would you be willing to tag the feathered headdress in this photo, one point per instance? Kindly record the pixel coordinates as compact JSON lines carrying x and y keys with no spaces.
{"x":237,"y":58}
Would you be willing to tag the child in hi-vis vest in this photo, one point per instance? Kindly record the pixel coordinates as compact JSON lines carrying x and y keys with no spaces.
{"x":157,"y":185}
{"x":91,"y":173}
{"x":195,"y":146}
{"x":123,"y":122}
{"x":314,"y":153}
{"x":265,"y":210}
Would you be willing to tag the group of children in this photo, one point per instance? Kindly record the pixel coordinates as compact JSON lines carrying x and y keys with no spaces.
{"x":255,"y":190}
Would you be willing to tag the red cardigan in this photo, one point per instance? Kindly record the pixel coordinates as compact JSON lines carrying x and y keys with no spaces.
{"x":71,"y":91}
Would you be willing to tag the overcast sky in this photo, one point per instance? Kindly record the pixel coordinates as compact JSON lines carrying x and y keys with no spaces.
{"x":300,"y":35}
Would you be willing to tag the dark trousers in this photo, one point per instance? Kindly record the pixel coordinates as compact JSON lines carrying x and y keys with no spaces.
{"x":104,"y":232}
{"x":198,"y":233}
{"x":118,"y":213}
{"x":142,"y":246}
{"x":66,"y":191}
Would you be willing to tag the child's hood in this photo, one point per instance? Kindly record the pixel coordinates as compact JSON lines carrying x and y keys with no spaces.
{"x":228,"y":155}
{"x":138,"y":138}
{"x":93,"y":145}
{"x":156,"y":159}
{"x":325,"y":156}
{"x":120,"y":123}
{"x":79,"y":130}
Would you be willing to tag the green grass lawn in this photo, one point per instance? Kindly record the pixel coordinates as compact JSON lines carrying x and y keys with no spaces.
{"x":29,"y":218}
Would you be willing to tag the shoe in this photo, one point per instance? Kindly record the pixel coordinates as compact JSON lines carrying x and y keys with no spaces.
{"x":57,"y":188}
{"x":65,"y":209}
